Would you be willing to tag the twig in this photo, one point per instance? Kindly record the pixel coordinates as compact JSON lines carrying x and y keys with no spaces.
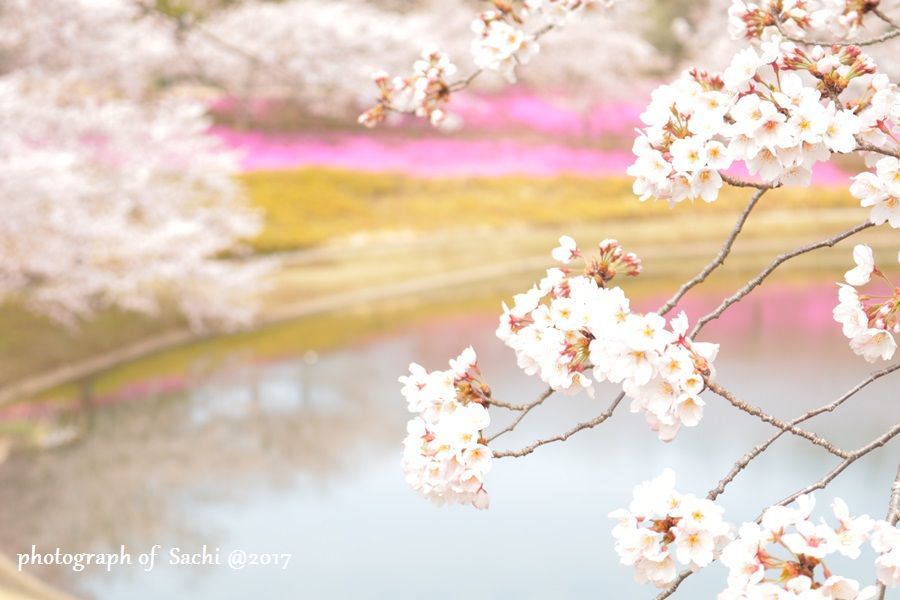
{"x":889,"y":34}
{"x":720,"y":257}
{"x":508,"y":405}
{"x":893,"y":515}
{"x":735,"y":182}
{"x":741,"y":464}
{"x":781,"y":258}
{"x":564,"y":436}
{"x":767,"y":418}
{"x":674,"y":586}
{"x":525,"y":411}
{"x":877,"y":12}
{"x":866,"y":147}
{"x":467,"y":81}
{"x":851,"y":458}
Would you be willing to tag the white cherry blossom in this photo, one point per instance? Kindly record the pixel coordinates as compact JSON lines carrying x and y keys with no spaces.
{"x":663,"y":527}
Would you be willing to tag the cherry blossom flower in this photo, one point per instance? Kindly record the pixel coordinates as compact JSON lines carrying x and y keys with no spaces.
{"x":885,"y":540}
{"x":576,"y":330}
{"x":881,"y":191}
{"x":445,"y":456}
{"x":871,"y":320}
{"x":500,"y":46}
{"x":865,"y":264}
{"x":784,"y":556}
{"x":505,"y":37}
{"x":663,"y":527}
{"x":426,"y":93}
{"x":566,"y":251}
{"x":798,"y":18}
{"x":775,"y":109}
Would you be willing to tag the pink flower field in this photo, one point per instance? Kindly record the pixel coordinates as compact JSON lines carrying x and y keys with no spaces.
{"x":491,"y":143}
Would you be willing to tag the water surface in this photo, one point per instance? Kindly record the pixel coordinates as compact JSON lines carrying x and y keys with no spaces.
{"x":301,"y":455}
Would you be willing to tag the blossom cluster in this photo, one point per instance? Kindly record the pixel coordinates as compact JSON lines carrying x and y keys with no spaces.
{"x":425,"y":93}
{"x":774,"y":108}
{"x":505,"y":37}
{"x":445,"y":457}
{"x":784,"y":555}
{"x":881,"y":189}
{"x":501,"y":40}
{"x":663,"y":527}
{"x":868,"y":320}
{"x":573,"y":330}
{"x":797,"y":18}
{"x":500,"y":45}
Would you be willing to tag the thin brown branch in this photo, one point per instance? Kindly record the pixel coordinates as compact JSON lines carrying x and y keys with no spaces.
{"x":462,"y":84}
{"x":893,"y":32}
{"x":745,"y":460}
{"x":508,"y":405}
{"x":866,"y":147}
{"x":720,"y":257}
{"x":767,"y":418}
{"x":735,"y":182}
{"x":525,"y":411}
{"x":851,"y":458}
{"x":893,"y":515}
{"x":674,"y":585}
{"x":564,"y":436}
{"x":781,"y":258}
{"x":878,"y":13}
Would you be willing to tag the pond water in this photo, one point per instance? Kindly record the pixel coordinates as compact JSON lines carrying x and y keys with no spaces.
{"x":301,"y":455}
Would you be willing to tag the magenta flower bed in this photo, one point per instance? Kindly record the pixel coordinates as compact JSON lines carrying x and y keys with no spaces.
{"x":426,"y":153}
{"x":442,"y":156}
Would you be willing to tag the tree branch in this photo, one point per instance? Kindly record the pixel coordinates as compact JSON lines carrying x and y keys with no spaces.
{"x":741,"y":464}
{"x":525,"y":411}
{"x":851,"y":458}
{"x":753,"y":283}
{"x":735,"y":182}
{"x":893,"y":515}
{"x":866,"y":147}
{"x":878,"y":13}
{"x":514,"y":407}
{"x":887,"y":35}
{"x":720,"y":257}
{"x":564,"y":436}
{"x":767,"y":418}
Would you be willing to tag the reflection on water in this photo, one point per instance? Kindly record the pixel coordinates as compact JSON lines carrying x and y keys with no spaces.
{"x":295,"y":457}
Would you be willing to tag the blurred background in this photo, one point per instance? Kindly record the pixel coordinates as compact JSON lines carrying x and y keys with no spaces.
{"x":212,"y":276}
